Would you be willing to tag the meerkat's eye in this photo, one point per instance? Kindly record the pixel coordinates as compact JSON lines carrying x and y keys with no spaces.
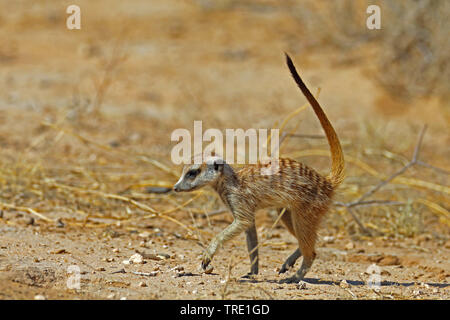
{"x":192,"y":173}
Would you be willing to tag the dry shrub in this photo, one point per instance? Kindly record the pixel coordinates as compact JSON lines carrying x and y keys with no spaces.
{"x":417,"y":61}
{"x":412,"y":47}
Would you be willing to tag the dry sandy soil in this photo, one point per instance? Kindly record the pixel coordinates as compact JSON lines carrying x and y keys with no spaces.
{"x":35,"y":261}
{"x":84,"y":112}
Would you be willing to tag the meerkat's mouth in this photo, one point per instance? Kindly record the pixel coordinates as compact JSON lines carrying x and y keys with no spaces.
{"x":178,"y":189}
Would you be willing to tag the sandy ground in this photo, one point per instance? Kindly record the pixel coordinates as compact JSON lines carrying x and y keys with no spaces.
{"x":183,"y":62}
{"x":34,"y":260}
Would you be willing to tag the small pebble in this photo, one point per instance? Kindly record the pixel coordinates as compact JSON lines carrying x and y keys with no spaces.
{"x":177,"y":268}
{"x":424,"y":285}
{"x":302,"y":285}
{"x":142,"y":284}
{"x":144,"y":234}
{"x":39,"y":297}
{"x":136,"y":259}
{"x":59,"y":251}
{"x":344,"y":284}
{"x":350,"y":246}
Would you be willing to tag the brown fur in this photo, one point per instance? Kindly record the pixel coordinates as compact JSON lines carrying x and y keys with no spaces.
{"x":304,"y":193}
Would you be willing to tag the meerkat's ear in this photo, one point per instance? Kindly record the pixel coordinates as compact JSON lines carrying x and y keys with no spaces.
{"x":218,"y":165}
{"x":215,"y":163}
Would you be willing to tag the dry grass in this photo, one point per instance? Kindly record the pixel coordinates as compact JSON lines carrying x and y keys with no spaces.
{"x":86,"y":188}
{"x":94,"y":196}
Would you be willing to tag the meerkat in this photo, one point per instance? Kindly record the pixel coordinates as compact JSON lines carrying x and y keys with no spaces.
{"x":304,"y":194}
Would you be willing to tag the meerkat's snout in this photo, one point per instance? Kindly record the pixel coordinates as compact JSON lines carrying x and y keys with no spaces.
{"x":198,"y":175}
{"x":183,"y":185}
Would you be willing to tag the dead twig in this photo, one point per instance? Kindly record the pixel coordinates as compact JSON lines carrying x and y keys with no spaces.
{"x":117,"y":57}
{"x":361,"y":200}
{"x":215,"y":212}
{"x":399,"y":172}
{"x":135,"y":203}
{"x":369,"y":203}
{"x":306,"y":136}
{"x":26,"y":209}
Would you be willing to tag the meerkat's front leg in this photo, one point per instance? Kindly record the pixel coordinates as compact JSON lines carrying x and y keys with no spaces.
{"x":236,"y":227}
{"x":252,"y":246}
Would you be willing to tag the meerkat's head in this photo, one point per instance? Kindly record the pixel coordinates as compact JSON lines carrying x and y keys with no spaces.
{"x":195,"y":176}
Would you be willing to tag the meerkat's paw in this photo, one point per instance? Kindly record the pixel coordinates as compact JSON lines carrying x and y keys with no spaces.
{"x":206,"y":260}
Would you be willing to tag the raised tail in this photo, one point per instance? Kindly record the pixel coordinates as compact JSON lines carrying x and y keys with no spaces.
{"x":337,"y":174}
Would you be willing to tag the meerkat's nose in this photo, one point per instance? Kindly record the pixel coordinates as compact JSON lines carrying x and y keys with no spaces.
{"x":175,"y":188}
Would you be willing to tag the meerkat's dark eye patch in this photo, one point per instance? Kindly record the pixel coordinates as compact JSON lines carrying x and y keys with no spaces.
{"x":192,"y":173}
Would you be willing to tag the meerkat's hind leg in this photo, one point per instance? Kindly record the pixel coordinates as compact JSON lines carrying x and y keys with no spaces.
{"x":300,"y":274}
{"x":306,"y":234}
{"x":252,"y":246}
{"x":290,"y":261}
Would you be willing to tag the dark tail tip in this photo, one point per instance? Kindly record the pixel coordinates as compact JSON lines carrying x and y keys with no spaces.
{"x":295,"y":74}
{"x":288,"y":60}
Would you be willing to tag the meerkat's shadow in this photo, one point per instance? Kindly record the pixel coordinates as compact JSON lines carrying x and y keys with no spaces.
{"x":318,"y":281}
